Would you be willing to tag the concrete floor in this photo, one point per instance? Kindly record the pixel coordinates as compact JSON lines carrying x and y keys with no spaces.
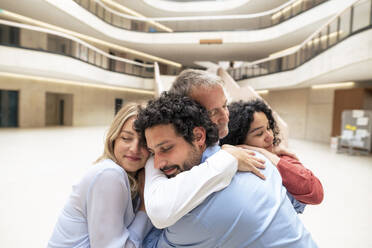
{"x":40,"y":165}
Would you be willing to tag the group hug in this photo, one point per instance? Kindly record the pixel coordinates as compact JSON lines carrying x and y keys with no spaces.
{"x":190,"y":169}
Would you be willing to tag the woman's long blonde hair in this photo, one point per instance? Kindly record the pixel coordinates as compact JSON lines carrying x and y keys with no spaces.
{"x":127,"y":111}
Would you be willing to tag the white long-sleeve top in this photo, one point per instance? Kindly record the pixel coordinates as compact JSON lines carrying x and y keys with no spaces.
{"x":99,"y":212}
{"x":168,"y":200}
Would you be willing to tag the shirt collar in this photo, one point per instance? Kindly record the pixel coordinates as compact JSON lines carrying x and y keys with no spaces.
{"x":210,"y":151}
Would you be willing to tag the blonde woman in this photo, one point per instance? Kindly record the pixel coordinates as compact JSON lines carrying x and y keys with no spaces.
{"x":106,"y":208}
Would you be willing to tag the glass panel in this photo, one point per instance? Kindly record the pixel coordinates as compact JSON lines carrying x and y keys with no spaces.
{"x":323,"y":38}
{"x":332,"y":38}
{"x":121,"y":66}
{"x":98,"y":59}
{"x":291,"y":61}
{"x":315,"y":45}
{"x":285,"y":61}
{"x":345,"y":24}
{"x":361,"y":15}
{"x":256,"y":70}
{"x":239,"y":73}
{"x":250,"y":71}
{"x":307,"y":4}
{"x":297,"y":58}
{"x":273,"y":66}
{"x":263,"y":67}
{"x":107,"y":16}
{"x":116,"y":20}
{"x":92,"y":56}
{"x":84,"y":3}
{"x":83,"y":53}
{"x":296,"y":7}
{"x":92,"y":7}
{"x":302,"y":55}
{"x":105,"y":62}
{"x":276,"y":18}
{"x":308,"y":50}
{"x":128,"y":69}
{"x":99,"y":11}
{"x":286,"y":12}
{"x":125,"y":23}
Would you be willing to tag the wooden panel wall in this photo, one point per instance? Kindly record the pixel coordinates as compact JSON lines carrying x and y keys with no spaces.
{"x":345,"y":100}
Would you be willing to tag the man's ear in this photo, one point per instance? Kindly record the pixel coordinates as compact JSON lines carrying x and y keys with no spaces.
{"x":199,"y":136}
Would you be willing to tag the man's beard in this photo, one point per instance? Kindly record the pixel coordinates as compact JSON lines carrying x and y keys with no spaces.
{"x":194,"y":158}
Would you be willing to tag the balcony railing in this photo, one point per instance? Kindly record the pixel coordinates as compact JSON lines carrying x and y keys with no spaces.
{"x":35,"y":38}
{"x":354,"y":19}
{"x":199,"y":24}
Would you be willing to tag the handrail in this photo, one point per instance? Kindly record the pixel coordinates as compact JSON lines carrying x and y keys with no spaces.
{"x":130,"y":17}
{"x":324,"y":38}
{"x":306,"y":40}
{"x":201,"y":23}
{"x":98,"y":42}
{"x":79,"y":46}
{"x":70,"y":37}
{"x":197,"y":18}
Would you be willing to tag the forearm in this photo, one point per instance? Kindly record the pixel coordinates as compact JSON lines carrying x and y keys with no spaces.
{"x":168,"y":200}
{"x":300,"y":182}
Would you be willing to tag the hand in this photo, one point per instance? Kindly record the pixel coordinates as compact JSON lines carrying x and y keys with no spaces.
{"x":246,"y":160}
{"x":271,"y":156}
{"x":141,"y":188}
{"x":281,"y":150}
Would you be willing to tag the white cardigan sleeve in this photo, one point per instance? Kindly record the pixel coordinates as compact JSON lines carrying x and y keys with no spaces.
{"x":107,"y":202}
{"x":168,"y":200}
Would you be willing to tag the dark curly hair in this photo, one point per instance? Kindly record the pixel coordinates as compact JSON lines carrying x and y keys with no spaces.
{"x":241,"y":118}
{"x":184,"y":113}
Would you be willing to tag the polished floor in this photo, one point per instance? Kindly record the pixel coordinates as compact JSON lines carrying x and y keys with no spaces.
{"x":40,"y":165}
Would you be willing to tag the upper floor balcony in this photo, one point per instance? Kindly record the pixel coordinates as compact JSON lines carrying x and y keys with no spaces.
{"x":188,"y":47}
{"x":112,"y":13}
{"x":339,"y":51}
{"x":37,"y":51}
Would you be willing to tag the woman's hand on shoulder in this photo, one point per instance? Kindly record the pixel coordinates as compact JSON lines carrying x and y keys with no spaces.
{"x":247,"y":161}
{"x":271,"y":156}
{"x":283,"y":151}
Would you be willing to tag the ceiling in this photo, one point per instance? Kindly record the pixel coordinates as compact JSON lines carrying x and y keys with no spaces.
{"x":181,"y":53}
{"x":250,"y":7}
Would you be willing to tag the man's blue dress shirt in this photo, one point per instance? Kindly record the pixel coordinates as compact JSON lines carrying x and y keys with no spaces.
{"x":250,"y":212}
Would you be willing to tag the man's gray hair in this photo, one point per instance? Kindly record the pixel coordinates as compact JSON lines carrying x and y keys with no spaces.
{"x":191,"y":78}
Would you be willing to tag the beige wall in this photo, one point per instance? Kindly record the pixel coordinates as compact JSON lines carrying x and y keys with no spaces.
{"x":308,"y":112}
{"x":91,"y":106}
{"x":319,"y":115}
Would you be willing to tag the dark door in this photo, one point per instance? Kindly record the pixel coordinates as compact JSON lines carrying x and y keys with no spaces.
{"x":61,"y":112}
{"x":8,"y":108}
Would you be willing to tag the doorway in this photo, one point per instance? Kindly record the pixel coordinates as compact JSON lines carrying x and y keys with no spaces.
{"x":8,"y":108}
{"x":58,"y":109}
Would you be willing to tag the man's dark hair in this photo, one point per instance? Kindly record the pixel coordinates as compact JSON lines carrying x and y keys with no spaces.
{"x":184,"y":113}
{"x":241,"y":118}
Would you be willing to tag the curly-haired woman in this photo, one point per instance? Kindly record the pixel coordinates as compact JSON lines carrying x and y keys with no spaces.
{"x":252,"y":124}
